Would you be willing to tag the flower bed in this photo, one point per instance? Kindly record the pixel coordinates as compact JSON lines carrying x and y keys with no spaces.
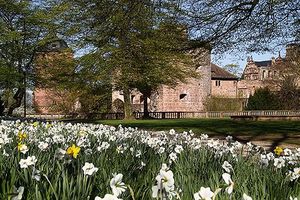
{"x":86,"y":161}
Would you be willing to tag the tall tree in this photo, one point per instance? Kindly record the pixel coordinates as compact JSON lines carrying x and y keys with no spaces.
{"x":254,"y":25}
{"x":263,"y":99}
{"x":142,"y":46}
{"x":23,"y":29}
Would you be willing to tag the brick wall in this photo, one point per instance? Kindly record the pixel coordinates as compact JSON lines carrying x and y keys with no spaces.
{"x":224,"y":88}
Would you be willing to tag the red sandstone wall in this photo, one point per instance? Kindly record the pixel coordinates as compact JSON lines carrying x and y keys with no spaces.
{"x":45,"y":99}
{"x":225,"y":88}
{"x":195,"y":90}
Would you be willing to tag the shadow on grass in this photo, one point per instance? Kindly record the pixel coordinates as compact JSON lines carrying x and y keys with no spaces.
{"x":277,"y":132}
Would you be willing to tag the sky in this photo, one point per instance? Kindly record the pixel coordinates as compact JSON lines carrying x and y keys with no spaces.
{"x":240,"y":58}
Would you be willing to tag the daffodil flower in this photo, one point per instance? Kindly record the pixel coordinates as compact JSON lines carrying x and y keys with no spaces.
{"x":22,"y":148}
{"x":204,"y":193}
{"x":108,"y":197}
{"x":89,"y":169}
{"x":22,"y":135}
{"x":278,"y":151}
{"x":246,"y":197}
{"x":73,"y":151}
{"x":18,"y":193}
{"x":116,"y":184}
{"x":227,"y":167}
{"x":229,"y":182}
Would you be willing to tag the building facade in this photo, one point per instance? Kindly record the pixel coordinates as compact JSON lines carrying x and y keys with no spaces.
{"x":45,"y":98}
{"x":268,"y":73}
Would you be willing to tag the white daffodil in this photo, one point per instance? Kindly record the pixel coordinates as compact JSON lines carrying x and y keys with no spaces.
{"x":30,"y":160}
{"x":292,"y":198}
{"x":227,"y":167}
{"x":229,"y":138}
{"x":36,"y":174}
{"x":173,"y":156}
{"x":165,"y":179}
{"x":295,"y":174}
{"x":264,"y":160}
{"x":43,"y":146}
{"x":89,"y":169}
{"x":178,"y":149}
{"x":23,"y":148}
{"x":108,"y":197}
{"x":246,"y":197}
{"x":165,"y":183}
{"x":229,"y":182}
{"x":116,"y":184}
{"x":204,"y":193}
{"x":60,"y":153}
{"x":161,"y":150}
{"x":18,"y":193}
{"x":279,"y":162}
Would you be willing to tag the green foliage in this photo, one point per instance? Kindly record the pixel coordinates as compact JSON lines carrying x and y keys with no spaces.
{"x":289,"y":93}
{"x":235,"y":69}
{"x":223,"y":104}
{"x":24,"y":26}
{"x":263,"y":99}
{"x":141,"y":45}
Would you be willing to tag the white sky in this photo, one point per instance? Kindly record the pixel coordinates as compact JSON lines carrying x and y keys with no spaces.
{"x":240,"y":58}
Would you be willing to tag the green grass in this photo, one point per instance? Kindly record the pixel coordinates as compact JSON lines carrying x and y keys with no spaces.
{"x":277,"y":132}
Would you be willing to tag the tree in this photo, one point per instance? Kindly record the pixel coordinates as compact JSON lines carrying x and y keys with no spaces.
{"x":24,"y":26}
{"x":254,"y":25}
{"x":289,"y":93}
{"x":234,"y":69}
{"x":141,"y":45}
{"x":263,"y":99}
{"x":1,"y":107}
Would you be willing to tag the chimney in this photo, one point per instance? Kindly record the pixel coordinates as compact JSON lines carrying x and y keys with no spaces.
{"x":273,"y":60}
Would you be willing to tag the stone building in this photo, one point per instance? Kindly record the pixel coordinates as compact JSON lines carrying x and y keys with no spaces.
{"x":223,"y":83}
{"x":267,"y":73}
{"x":185,"y":97}
{"x":190,"y":96}
{"x":45,"y":98}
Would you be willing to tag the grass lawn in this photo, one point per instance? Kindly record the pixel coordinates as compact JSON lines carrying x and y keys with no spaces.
{"x":276,"y":132}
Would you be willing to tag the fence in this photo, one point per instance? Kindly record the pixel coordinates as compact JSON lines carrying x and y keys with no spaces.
{"x":180,"y":115}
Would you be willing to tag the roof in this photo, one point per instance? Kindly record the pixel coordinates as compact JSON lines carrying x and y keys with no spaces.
{"x":264,"y":63}
{"x":219,"y":73}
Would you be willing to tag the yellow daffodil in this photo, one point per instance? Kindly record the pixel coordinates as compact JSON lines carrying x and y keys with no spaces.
{"x":22,"y":135}
{"x":35,"y":124}
{"x":278,"y":151}
{"x":22,"y":148}
{"x":19,"y":146}
{"x":73,"y":151}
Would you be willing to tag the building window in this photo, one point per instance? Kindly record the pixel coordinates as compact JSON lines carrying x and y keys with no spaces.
{"x":182,"y":96}
{"x":141,"y":99}
{"x":218,"y":83}
{"x":264,"y":74}
{"x":132,"y":98}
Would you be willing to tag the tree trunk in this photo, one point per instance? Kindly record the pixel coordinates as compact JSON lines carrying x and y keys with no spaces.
{"x":146,"y":111}
{"x":127,"y":105}
{"x":18,"y":100}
